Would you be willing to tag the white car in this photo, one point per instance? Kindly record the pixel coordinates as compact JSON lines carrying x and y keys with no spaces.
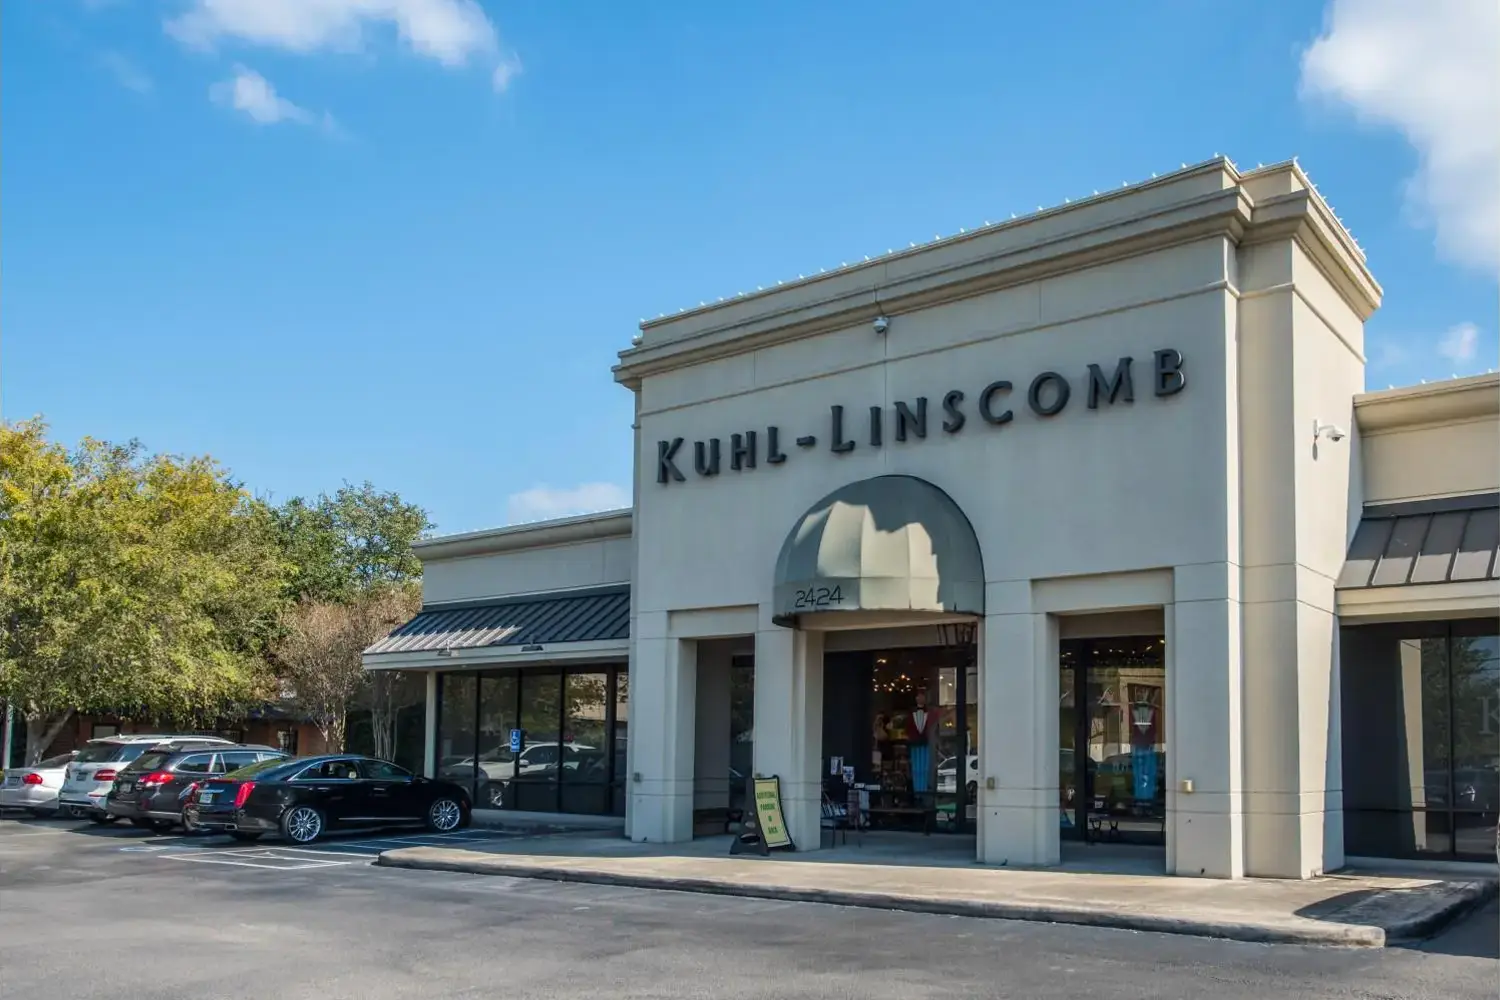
{"x":92,"y":773}
{"x":498,"y":768}
{"x":35,"y":789}
{"x":947,"y":775}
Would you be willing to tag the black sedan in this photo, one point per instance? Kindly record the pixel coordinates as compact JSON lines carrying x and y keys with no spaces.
{"x":305,"y":797}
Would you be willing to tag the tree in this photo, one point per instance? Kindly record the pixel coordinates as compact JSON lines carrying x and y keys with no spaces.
{"x":352,"y":550}
{"x":144,"y":585}
{"x":320,"y":656}
{"x":357,"y":540}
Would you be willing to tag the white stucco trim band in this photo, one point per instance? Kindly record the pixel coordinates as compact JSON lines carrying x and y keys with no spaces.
{"x":502,"y":656}
{"x":1429,"y":601}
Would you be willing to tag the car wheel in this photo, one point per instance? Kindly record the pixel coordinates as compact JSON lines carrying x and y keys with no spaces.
{"x":493,"y":795}
{"x":244,"y":836}
{"x":104,"y":820}
{"x":444,"y":816}
{"x":302,"y":824}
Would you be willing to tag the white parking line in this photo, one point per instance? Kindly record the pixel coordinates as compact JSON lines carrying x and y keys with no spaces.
{"x":255,"y":861}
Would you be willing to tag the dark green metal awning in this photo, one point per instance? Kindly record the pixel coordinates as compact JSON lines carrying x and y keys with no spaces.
{"x":1452,"y":540}
{"x":591,"y":616}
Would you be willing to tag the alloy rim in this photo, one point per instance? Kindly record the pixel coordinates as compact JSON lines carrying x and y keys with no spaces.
{"x":303,"y":825}
{"x":445,"y":814}
{"x":497,"y":796}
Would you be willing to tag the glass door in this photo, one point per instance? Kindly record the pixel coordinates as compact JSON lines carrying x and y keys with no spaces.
{"x":1114,"y":739}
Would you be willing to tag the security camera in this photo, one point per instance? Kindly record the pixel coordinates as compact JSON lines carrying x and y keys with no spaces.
{"x":637,"y":340}
{"x":881,"y":324}
{"x":1332,"y":432}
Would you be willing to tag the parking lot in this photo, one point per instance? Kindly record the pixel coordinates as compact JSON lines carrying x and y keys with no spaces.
{"x":105,"y":912}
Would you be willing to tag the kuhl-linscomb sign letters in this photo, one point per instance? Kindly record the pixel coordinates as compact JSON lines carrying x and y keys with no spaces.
{"x":1046,"y":396}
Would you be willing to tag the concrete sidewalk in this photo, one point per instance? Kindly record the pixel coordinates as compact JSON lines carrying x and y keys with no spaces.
{"x":1358,"y":910}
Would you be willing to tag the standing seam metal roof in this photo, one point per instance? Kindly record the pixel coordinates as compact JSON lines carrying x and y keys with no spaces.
{"x":1409,"y":544}
{"x":593,"y":617}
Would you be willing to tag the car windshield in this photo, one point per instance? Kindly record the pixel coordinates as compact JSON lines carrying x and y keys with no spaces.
{"x":61,"y":760}
{"x":99,"y":753}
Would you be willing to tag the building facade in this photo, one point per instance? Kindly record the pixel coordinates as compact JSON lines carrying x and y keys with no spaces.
{"x":1080,"y":526}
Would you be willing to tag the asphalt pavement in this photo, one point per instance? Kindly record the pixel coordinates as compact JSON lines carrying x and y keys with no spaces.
{"x":88,"y":912}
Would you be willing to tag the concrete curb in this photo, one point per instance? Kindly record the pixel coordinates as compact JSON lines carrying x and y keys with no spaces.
{"x":1301,"y":931}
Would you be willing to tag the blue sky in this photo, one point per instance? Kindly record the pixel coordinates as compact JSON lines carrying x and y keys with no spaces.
{"x":403,"y":240}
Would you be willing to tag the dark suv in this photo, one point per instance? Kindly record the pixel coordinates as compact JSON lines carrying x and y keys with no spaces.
{"x":153,"y":789}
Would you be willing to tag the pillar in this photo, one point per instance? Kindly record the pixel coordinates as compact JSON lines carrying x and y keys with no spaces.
{"x":1205,"y":827}
{"x":430,"y":753}
{"x":663,"y":705}
{"x":1018,"y":744}
{"x":789,"y":724}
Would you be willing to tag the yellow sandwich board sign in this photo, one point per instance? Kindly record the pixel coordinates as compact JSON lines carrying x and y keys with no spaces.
{"x":762,"y":825}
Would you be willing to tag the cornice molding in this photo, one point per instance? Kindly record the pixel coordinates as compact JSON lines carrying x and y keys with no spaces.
{"x":1000,"y":257}
{"x":1450,"y":401}
{"x":513,"y":538}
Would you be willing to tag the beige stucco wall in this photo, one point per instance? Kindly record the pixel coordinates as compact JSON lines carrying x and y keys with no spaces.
{"x":1432,"y":460}
{"x":553,"y":567}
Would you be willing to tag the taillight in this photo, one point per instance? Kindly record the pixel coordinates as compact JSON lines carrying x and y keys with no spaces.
{"x":105,"y":775}
{"x":243,"y":792}
{"x":191,"y":792}
{"x":31,"y":779}
{"x":157,"y":778}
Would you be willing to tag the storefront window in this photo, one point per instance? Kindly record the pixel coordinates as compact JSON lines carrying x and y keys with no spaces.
{"x":585,"y":744}
{"x":497,"y":717}
{"x":455,"y":735}
{"x":1421,"y":739}
{"x":621,"y":739}
{"x":903,"y":725}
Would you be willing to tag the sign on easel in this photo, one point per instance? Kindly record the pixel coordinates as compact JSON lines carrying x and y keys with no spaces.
{"x":762,"y":826}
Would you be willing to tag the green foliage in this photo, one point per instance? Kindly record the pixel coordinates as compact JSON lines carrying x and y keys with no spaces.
{"x":130,"y":583}
{"x":342,"y":546}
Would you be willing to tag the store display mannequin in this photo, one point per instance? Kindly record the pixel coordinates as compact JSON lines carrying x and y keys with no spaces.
{"x":919,"y":726}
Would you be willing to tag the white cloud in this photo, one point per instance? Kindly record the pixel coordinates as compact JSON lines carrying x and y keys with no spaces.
{"x":451,"y":32}
{"x":1427,"y":69}
{"x":507,"y":70}
{"x":1461,"y":342}
{"x":126,"y":73}
{"x":253,"y":94}
{"x":543,"y":502}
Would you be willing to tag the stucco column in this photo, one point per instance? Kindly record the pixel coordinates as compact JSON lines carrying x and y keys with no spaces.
{"x":1018,"y":743}
{"x":789,"y":724}
{"x":663,"y":706}
{"x":430,"y":751}
{"x":1205,"y":834}
{"x":711,"y":755}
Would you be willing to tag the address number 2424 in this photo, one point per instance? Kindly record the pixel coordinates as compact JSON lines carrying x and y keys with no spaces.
{"x":818,"y":597}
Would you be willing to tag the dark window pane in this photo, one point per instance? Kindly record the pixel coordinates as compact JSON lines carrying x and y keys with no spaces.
{"x":535,"y":784}
{"x":198,"y":763}
{"x":497,"y":717}
{"x":621,"y":738}
{"x":585,"y":760}
{"x":150,"y":761}
{"x":455,"y":748}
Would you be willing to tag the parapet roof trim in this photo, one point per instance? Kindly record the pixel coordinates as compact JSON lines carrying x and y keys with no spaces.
{"x":536,"y":534}
{"x":699,"y":323}
{"x":1473,"y":397}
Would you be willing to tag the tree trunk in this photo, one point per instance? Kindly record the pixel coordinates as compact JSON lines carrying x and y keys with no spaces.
{"x":383,"y":715}
{"x":334,"y":727}
{"x":41,"y":730}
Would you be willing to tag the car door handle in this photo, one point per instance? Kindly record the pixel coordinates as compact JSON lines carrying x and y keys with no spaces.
{"x":322,"y":788}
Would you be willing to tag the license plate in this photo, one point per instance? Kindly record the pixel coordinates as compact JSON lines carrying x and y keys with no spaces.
{"x":12,"y":781}
{"x":206,"y":796}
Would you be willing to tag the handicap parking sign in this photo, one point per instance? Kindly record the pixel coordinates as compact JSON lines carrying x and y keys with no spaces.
{"x":515,"y":741}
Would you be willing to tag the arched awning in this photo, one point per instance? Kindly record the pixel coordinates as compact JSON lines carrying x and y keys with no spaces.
{"x":888,"y":544}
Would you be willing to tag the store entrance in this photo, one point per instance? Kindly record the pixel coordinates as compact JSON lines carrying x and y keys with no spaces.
{"x":1112,"y":762}
{"x":901,"y":734}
